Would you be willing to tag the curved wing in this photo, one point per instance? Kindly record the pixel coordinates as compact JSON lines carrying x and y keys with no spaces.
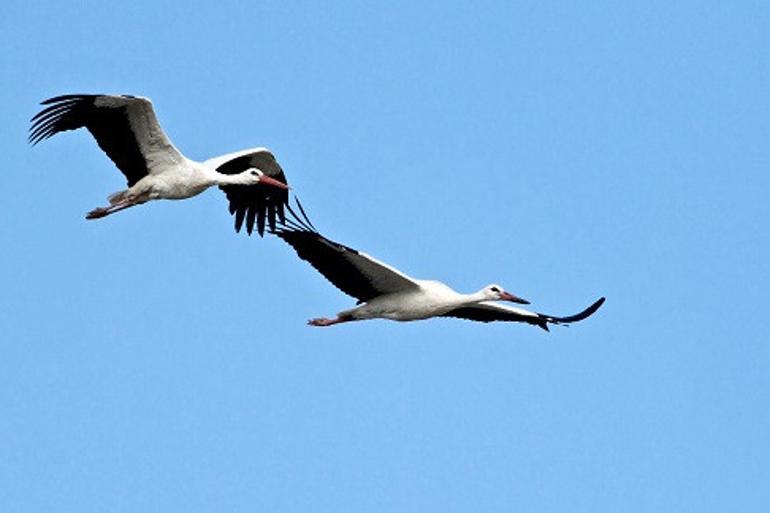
{"x":354,"y":273}
{"x":261,"y":203}
{"x":490,"y":312}
{"x":125,"y":128}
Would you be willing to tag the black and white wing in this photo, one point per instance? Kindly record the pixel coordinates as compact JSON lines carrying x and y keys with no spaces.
{"x":490,"y":312}
{"x":125,"y":128}
{"x":249,"y":203}
{"x":353,"y":272}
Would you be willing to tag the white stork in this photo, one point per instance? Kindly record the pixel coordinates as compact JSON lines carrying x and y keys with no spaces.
{"x":387,"y":293}
{"x":127,"y":130}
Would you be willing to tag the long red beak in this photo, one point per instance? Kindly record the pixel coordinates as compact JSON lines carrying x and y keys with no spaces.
{"x":505,"y":296}
{"x":272,"y":181}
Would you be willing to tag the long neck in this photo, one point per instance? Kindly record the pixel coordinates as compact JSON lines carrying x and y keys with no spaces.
{"x":217,"y":178}
{"x":475,"y":297}
{"x":460,"y":300}
{"x":244,"y":178}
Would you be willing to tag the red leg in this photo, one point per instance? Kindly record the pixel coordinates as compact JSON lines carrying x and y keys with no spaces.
{"x":105,"y":211}
{"x":322,"y":321}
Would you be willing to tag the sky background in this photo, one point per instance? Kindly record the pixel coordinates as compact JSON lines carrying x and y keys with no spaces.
{"x":156,"y":361}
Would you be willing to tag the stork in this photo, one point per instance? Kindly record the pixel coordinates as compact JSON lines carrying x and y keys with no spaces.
{"x":384,"y":292}
{"x":127,"y":130}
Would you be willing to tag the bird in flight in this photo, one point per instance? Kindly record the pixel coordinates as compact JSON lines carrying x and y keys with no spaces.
{"x":384,"y":292}
{"x":127,"y":130}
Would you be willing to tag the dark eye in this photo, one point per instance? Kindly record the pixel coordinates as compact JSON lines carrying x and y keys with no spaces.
{"x":255,"y":173}
{"x":495,"y":289}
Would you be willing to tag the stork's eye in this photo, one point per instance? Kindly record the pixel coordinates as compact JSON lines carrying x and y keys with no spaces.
{"x":254,"y":173}
{"x":495,"y":289}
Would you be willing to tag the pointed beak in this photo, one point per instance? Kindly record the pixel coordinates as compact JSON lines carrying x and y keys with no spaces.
{"x":272,"y":181}
{"x":505,"y":296}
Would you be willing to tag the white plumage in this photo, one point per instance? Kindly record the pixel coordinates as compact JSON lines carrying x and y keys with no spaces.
{"x":387,"y":293}
{"x":127,"y":130}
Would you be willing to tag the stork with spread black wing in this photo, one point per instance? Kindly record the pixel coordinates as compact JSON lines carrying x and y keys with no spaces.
{"x":387,"y":293}
{"x":127,"y":130}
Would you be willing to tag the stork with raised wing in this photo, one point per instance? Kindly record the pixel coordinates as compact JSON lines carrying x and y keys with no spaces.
{"x":127,"y":130}
{"x":384,"y":292}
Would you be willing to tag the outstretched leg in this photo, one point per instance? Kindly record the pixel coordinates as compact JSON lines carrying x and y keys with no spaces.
{"x":322,"y":321}
{"x":105,"y":211}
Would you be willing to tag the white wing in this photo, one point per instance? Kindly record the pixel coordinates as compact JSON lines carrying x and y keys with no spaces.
{"x":125,"y":128}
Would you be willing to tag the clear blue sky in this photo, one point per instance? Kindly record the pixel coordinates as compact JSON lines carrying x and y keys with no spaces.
{"x":156,"y":361}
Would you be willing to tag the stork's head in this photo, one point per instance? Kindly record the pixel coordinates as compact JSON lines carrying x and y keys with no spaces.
{"x":496,"y":293}
{"x":253,"y":176}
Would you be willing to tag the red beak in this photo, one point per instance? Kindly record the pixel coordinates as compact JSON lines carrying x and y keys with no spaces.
{"x":272,"y":181}
{"x":505,"y":296}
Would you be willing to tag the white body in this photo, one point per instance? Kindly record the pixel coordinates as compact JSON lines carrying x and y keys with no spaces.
{"x":181,"y":180}
{"x":431,"y":298}
{"x":127,"y":130}
{"x":170,"y":175}
{"x":387,"y":293}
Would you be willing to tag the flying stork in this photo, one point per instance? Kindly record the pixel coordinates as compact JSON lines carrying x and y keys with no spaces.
{"x":384,"y":292}
{"x":127,"y":130}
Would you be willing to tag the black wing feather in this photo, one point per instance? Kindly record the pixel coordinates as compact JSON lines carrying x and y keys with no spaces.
{"x":255,"y":203}
{"x":108,"y":125}
{"x":481,"y":314}
{"x":351,"y":271}
{"x":327,"y":257}
{"x":473,"y":313}
{"x":577,"y":317}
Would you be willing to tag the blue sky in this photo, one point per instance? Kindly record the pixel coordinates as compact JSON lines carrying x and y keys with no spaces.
{"x":157,"y":361}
